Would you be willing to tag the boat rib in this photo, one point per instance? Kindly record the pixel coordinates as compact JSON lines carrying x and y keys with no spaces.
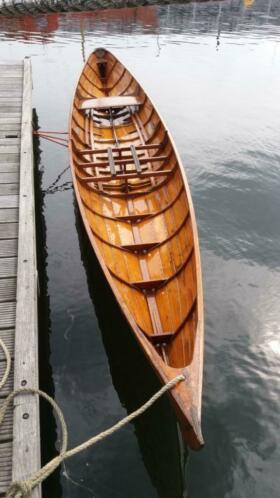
{"x":136,"y":206}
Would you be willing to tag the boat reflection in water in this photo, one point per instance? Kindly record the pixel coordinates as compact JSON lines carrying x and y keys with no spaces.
{"x":135,"y":382}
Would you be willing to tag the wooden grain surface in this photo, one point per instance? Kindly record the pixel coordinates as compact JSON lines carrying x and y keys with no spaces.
{"x":26,"y":436}
{"x":19,"y":436}
{"x":137,"y":209}
{"x":9,"y":171}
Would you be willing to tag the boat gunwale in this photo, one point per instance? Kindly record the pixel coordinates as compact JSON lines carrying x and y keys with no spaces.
{"x":194,"y":371}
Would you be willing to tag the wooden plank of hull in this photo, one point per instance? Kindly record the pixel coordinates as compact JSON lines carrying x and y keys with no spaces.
{"x":137,"y":209}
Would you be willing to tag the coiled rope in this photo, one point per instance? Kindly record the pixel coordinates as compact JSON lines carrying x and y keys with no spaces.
{"x":23,"y":489}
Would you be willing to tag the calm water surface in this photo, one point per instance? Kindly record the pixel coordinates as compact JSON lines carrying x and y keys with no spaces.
{"x":213,"y":69}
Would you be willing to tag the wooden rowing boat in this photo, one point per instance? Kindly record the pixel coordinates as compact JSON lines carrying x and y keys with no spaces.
{"x":137,"y":210}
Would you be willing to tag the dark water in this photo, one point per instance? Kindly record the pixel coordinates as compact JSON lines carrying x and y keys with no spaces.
{"x":213,"y":69}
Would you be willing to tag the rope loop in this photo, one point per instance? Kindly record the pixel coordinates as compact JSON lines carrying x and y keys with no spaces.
{"x":23,"y":489}
{"x":8,"y":364}
{"x":19,"y":489}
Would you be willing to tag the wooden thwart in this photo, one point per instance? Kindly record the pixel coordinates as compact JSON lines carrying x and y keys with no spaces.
{"x":126,"y":161}
{"x":151,"y":259}
{"x":119,"y":149}
{"x":124,"y":176}
{"x":107,"y":102}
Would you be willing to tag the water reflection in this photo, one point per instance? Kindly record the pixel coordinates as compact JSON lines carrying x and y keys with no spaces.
{"x":45,"y":29}
{"x":223,"y":17}
{"x":241,"y":396}
{"x":235,"y":183}
{"x":213,"y":70}
{"x":47,"y":421}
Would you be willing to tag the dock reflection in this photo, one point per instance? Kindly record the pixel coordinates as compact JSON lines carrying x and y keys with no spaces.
{"x":52,"y":486}
{"x":223,"y":18}
{"x":135,"y":381}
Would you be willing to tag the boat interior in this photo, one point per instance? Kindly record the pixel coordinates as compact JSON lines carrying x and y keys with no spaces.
{"x":134,"y":198}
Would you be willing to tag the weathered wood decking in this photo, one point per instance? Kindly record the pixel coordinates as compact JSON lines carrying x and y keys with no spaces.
{"x":19,"y":434}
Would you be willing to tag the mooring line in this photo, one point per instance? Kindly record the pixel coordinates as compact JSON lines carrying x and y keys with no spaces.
{"x":51,"y":136}
{"x":55,"y":182}
{"x":23,"y":489}
{"x":60,"y":188}
{"x":8,"y":364}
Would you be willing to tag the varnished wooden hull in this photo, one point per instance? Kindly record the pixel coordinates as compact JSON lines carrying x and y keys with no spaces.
{"x":137,"y":209}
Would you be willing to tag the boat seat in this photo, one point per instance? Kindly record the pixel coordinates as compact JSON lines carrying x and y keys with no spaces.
{"x":110,"y":102}
{"x":106,"y":175}
{"x":123,"y":176}
{"x":119,"y":149}
{"x":133,"y":159}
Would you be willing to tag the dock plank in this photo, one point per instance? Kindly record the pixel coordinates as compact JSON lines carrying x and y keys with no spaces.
{"x":8,"y":158}
{"x":8,"y":387}
{"x":6,"y":448}
{"x":10,"y":131}
{"x":4,"y":142}
{"x":7,"y":289}
{"x":9,"y":172}
{"x":8,"y":248}
{"x":8,"y":215}
{"x":5,"y":477}
{"x":10,"y":106}
{"x":8,"y":230}
{"x":9,"y":167}
{"x":9,"y":176}
{"x":7,"y":315}
{"x":18,"y":276}
{"x":9,"y":188}
{"x":8,"y":201}
{"x":26,"y":435}
{"x":5,"y":85}
{"x":10,"y":149}
{"x":7,"y":425}
{"x":10,"y":117}
{"x":8,"y":336}
{"x":8,"y":267}
{"x":11,"y":80}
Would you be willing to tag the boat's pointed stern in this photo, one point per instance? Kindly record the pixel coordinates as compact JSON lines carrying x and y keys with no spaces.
{"x":186,"y":396}
{"x":191,"y":430}
{"x":188,"y":411}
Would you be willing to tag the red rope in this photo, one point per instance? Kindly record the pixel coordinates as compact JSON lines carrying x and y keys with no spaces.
{"x":37,"y":132}
{"x":47,"y":135}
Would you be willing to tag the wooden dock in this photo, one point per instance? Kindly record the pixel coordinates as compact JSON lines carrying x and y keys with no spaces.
{"x":20,"y":431}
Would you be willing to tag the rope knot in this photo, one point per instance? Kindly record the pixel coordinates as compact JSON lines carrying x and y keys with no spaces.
{"x":23,"y":489}
{"x":19,"y":489}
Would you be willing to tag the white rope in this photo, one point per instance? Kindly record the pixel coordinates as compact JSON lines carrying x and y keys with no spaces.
{"x":8,"y":364}
{"x":23,"y":489}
